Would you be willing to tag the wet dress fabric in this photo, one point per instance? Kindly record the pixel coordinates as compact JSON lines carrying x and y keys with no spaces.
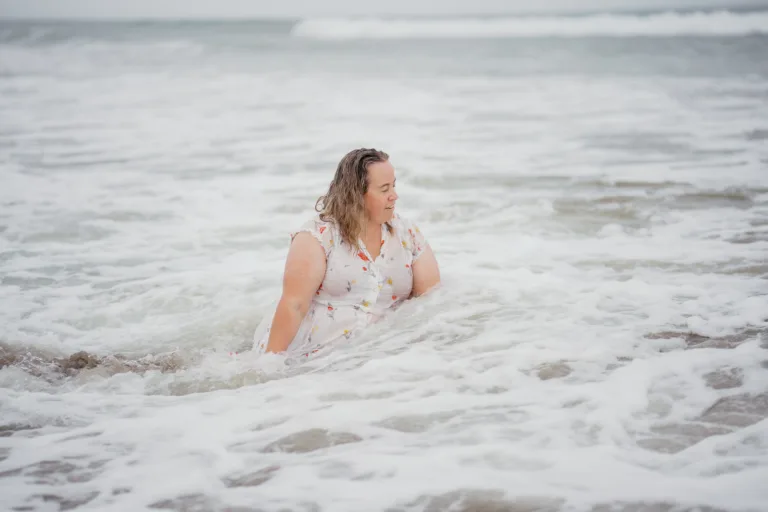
{"x":357,"y":289}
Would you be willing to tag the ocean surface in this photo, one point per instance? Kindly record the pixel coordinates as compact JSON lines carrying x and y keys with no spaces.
{"x":595,"y":189}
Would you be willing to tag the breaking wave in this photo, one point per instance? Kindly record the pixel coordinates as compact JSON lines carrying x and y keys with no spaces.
{"x":720,"y":23}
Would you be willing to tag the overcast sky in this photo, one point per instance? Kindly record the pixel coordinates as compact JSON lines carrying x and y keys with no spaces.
{"x":299,"y":8}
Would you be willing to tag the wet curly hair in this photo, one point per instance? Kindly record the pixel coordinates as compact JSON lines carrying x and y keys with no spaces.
{"x":344,"y":202}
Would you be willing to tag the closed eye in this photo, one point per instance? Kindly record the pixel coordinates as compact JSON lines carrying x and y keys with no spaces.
{"x":385,"y":187}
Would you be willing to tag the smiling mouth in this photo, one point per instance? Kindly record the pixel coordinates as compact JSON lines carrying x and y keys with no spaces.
{"x":390,"y":207}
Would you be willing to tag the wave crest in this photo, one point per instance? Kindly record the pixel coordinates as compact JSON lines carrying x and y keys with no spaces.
{"x":720,"y":23}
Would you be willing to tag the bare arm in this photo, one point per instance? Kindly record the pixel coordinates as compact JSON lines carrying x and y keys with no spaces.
{"x":304,"y":273}
{"x":426,"y":272}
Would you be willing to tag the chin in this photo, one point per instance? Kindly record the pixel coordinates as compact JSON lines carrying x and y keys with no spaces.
{"x":388,"y":214}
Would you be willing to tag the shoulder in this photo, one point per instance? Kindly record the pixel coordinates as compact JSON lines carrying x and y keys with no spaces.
{"x":324,"y":231}
{"x":403,"y":225}
{"x":399,"y":222}
{"x":315,"y":223}
{"x":410,"y":235}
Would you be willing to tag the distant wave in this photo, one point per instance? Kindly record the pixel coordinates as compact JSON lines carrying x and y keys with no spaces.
{"x":719,"y":23}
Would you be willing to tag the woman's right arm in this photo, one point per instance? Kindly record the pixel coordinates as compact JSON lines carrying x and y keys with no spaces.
{"x":304,"y":273}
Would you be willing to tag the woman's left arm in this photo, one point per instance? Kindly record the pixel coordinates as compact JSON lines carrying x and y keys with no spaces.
{"x":426,"y":272}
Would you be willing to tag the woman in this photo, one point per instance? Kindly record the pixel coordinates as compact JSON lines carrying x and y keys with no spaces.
{"x":350,"y":264}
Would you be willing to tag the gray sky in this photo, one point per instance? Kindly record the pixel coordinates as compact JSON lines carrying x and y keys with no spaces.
{"x":298,"y":8}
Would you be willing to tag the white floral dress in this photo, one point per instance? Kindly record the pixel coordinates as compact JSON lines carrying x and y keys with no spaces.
{"x":357,"y":289}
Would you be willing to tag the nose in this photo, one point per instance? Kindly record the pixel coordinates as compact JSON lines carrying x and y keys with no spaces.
{"x":394,"y":196}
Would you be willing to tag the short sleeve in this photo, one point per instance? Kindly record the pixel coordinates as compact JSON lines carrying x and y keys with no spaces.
{"x":321,"y":230}
{"x":414,"y":238}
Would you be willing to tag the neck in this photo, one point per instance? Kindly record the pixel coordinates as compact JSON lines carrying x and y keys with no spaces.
{"x":370,"y":227}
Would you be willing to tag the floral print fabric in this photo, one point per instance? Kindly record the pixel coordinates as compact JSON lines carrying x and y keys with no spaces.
{"x":357,"y":289}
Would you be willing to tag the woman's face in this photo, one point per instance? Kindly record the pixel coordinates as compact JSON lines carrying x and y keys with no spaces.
{"x":381,"y":196}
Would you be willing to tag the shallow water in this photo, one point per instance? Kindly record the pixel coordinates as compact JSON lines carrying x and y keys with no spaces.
{"x":599,"y":208}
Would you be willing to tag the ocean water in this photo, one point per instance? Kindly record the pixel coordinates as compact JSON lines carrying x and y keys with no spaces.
{"x":595,"y":189}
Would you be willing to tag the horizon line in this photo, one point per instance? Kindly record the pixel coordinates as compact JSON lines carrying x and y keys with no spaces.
{"x":296,"y":18}
{"x":743,"y":8}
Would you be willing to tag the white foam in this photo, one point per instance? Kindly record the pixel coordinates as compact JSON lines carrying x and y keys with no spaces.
{"x":572,"y":214}
{"x":719,"y":23}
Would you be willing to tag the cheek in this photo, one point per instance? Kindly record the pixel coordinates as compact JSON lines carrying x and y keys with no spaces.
{"x":375,"y":200}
